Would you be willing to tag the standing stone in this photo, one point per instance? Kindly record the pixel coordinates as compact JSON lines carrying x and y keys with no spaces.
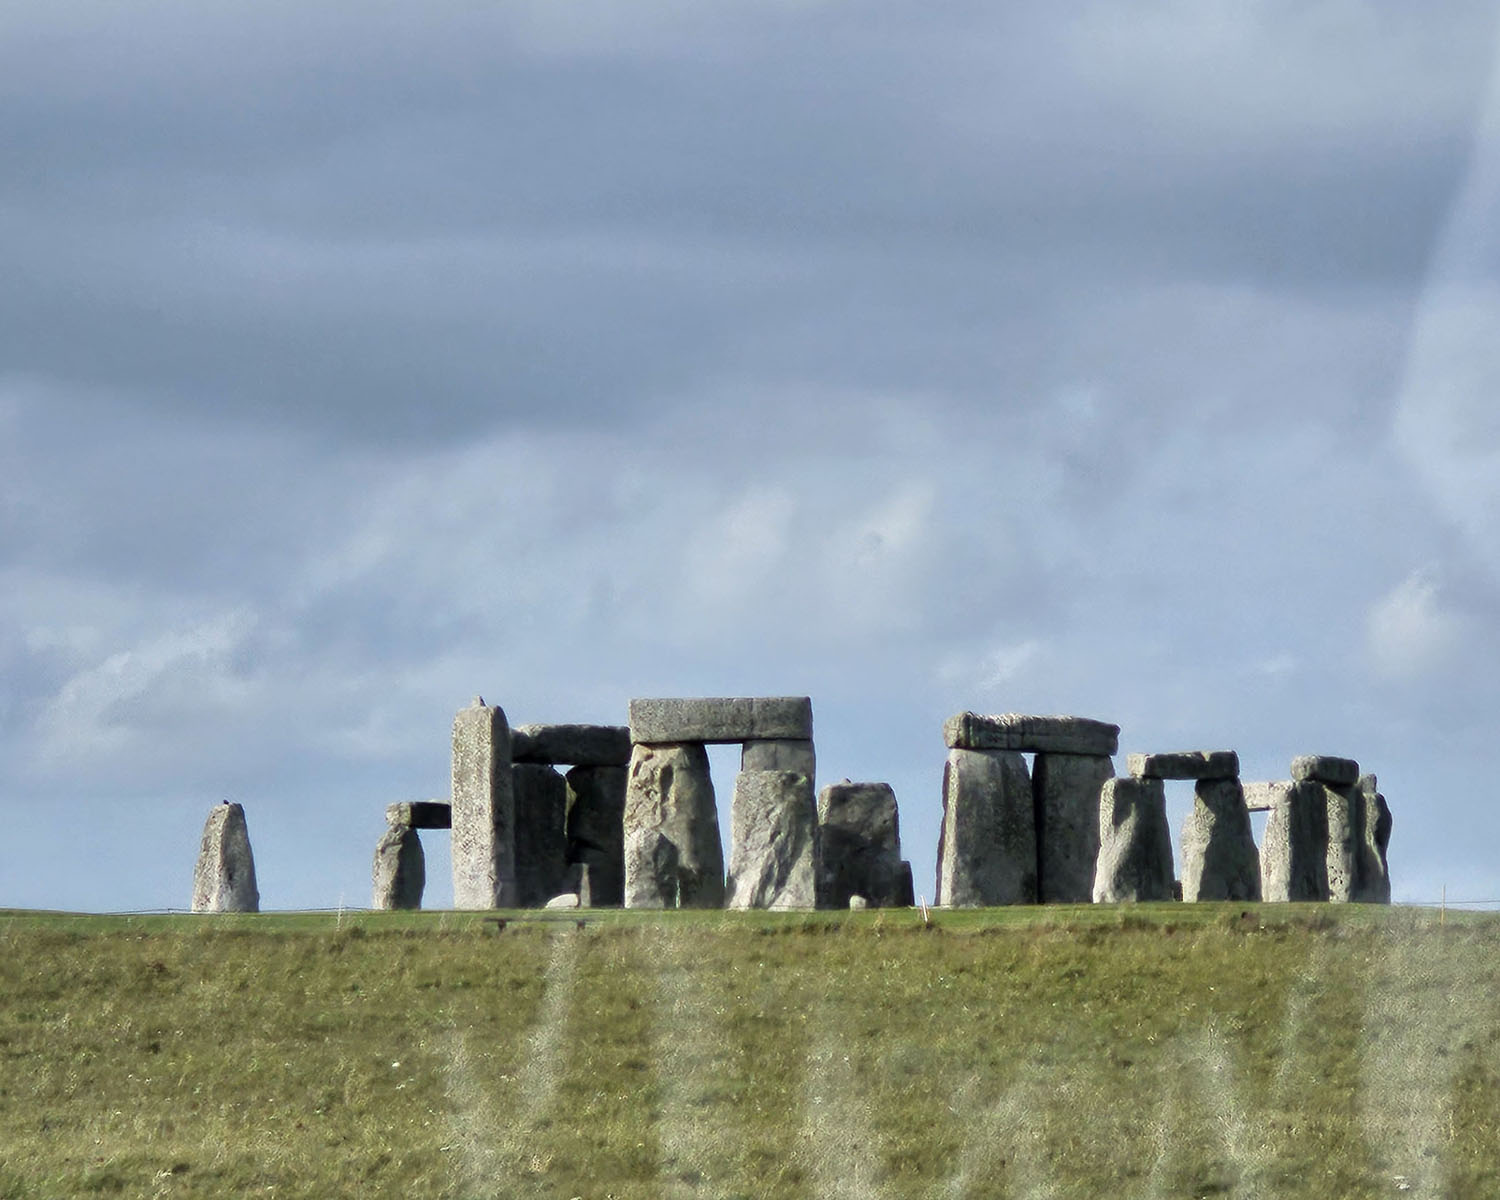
{"x":1065,"y":789}
{"x":1135,"y":844}
{"x":773,"y":841}
{"x":1345,"y":808}
{"x":987,"y":847}
{"x":1219,"y":858}
{"x":1374,"y":871}
{"x":541,"y":805}
{"x":483,"y":809}
{"x":859,"y":845}
{"x":674,"y":857}
{"x":596,"y":831}
{"x":1294,"y":848}
{"x":224,"y":879}
{"x":400,"y":871}
{"x":780,"y":754}
{"x":906,"y":889}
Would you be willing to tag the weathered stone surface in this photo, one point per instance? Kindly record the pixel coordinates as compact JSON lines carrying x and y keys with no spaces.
{"x":1261,"y":796}
{"x":541,"y":806}
{"x":1031,"y":734}
{"x":858,"y":904}
{"x":420,"y":814}
{"x":987,"y":847}
{"x":1374,"y":885}
{"x":906,"y":891}
{"x":1185,"y":764}
{"x":859,"y":839}
{"x":670,"y":796}
{"x":1219,"y":858}
{"x":1065,"y":790}
{"x":782,"y":754}
{"x":571,"y":745}
{"x":738,"y":719}
{"x":773,"y":841}
{"x":596,"y":831}
{"x":400,"y":871}
{"x":563,"y":900}
{"x":1345,"y":818}
{"x":1135,"y":844}
{"x":1294,"y":847}
{"x":224,"y":878}
{"x":483,"y":809}
{"x":1324,"y":768}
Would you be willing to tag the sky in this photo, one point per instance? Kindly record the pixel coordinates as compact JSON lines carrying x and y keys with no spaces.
{"x":356,"y":359}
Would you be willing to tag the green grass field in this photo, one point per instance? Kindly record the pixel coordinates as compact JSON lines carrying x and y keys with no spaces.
{"x":1156,"y":1051}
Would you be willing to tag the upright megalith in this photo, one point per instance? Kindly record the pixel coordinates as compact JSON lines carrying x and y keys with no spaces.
{"x":1065,"y":792}
{"x":987,"y":844}
{"x":674,"y":857}
{"x":1374,"y":875}
{"x":859,"y":845}
{"x":224,"y":878}
{"x":596,"y":832}
{"x":1294,"y":847}
{"x":773,"y":841}
{"x":1135,"y":843}
{"x":1219,"y":858}
{"x":541,"y":808}
{"x":483,"y":809}
{"x":399,"y":875}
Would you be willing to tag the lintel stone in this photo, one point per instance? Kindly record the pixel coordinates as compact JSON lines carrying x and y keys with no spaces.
{"x":721,"y":720}
{"x":1185,"y":764}
{"x":571,"y":745}
{"x":1263,"y":796}
{"x":1324,"y":768}
{"x":1030,"y":734}
{"x":419,"y":814}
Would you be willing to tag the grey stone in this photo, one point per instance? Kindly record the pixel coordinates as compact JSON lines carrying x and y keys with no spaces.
{"x":1065,"y":789}
{"x":541,"y":806}
{"x":483,"y":809}
{"x":859,"y":844}
{"x":1345,"y":817}
{"x":858,"y":903}
{"x":578,"y":879}
{"x":987,"y":846}
{"x":400,"y":871}
{"x":1324,"y":768}
{"x":596,"y":831}
{"x":906,"y":891}
{"x":571,"y":745}
{"x":224,"y":878}
{"x":773,"y":841}
{"x":1263,"y":797}
{"x":1135,"y":844}
{"x":739,"y":719}
{"x":1185,"y":764}
{"x":1031,"y":734}
{"x":1219,"y":858}
{"x":420,"y":814}
{"x":1374,"y":885}
{"x":781,"y":754}
{"x":670,"y":796}
{"x":563,"y":900}
{"x":1294,"y":847}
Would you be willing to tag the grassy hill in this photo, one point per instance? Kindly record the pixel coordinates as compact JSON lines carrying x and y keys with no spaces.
{"x":1158,"y":1051}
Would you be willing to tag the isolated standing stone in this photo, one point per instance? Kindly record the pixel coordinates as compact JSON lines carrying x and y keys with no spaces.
{"x":541,"y":805}
{"x":596,"y":831}
{"x":483,"y":809}
{"x":1219,"y":858}
{"x":224,"y":879}
{"x":1294,"y":847}
{"x":780,"y":754}
{"x":987,"y":847}
{"x":773,"y":841}
{"x":859,"y":845}
{"x":1135,"y":844}
{"x":674,"y":857}
{"x":1065,"y":789}
{"x":400,"y":872}
{"x":1374,"y":871}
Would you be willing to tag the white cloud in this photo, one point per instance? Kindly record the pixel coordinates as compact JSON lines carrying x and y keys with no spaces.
{"x":1409,"y":634}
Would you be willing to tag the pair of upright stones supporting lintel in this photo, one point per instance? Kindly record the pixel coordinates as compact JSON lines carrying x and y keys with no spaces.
{"x":523,"y":833}
{"x":1010,"y":836}
{"x":1327,"y":833}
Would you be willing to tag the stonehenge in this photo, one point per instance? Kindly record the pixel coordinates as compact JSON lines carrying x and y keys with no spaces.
{"x":224,"y":879}
{"x":774,"y":840}
{"x":859,"y":844}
